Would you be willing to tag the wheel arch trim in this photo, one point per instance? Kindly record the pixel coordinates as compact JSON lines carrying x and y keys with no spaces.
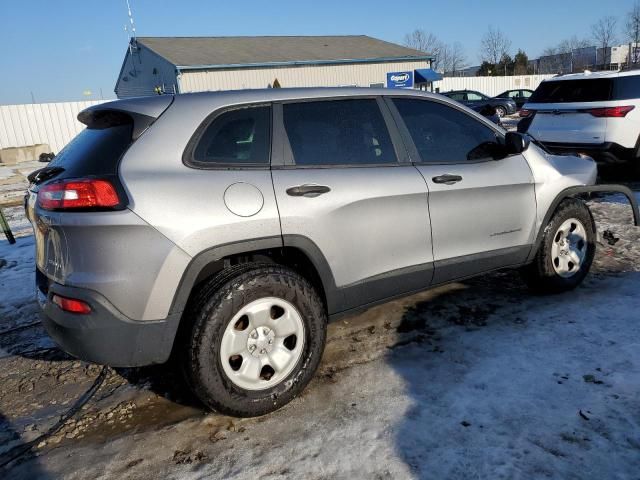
{"x":572,"y":192}
{"x":207,"y":257}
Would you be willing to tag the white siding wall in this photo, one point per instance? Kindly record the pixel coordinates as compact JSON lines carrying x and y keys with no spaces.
{"x":137,"y":78}
{"x":362,"y":75}
{"x":52,"y":123}
{"x":490,"y":85}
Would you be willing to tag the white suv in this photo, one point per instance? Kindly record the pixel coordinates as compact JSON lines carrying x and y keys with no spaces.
{"x":593,"y":113}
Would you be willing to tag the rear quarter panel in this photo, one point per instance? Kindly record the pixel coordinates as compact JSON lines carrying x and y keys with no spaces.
{"x":185,"y":204}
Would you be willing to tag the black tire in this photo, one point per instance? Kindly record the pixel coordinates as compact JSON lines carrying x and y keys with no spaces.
{"x":541,"y":275}
{"x":501,"y":111}
{"x":210,"y":313}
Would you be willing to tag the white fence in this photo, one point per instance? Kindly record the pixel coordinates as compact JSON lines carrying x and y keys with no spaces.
{"x":490,"y":85}
{"x":52,"y":123}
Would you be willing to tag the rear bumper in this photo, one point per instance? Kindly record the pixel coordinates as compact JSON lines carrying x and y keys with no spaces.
{"x":105,"y":335}
{"x":605,"y":153}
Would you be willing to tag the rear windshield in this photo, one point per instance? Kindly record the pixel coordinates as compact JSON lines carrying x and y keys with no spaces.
{"x":562,"y":91}
{"x":588,"y":90}
{"x":97,"y":149}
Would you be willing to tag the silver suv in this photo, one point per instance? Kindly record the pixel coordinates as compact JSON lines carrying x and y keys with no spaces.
{"x":228,"y":228}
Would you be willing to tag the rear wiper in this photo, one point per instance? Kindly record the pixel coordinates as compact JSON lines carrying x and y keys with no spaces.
{"x":43,"y":174}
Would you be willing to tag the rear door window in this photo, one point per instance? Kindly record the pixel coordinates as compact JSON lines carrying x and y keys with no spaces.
{"x":474,"y":97}
{"x":573,"y":91}
{"x":338,"y":132}
{"x":236,"y":137}
{"x":443,"y":134}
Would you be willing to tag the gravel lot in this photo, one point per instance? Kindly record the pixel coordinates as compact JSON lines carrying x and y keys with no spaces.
{"x":479,"y":379}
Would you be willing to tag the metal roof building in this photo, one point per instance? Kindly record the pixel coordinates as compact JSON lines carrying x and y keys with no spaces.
{"x":193,"y":64}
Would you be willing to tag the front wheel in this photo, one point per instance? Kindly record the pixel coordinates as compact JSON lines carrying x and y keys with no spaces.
{"x":501,"y":111}
{"x":256,"y":340}
{"x":566,"y":252}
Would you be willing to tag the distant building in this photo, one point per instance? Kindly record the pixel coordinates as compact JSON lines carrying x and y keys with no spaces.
{"x":622,"y":55}
{"x":464,"y":72}
{"x":588,"y":58}
{"x":193,"y":64}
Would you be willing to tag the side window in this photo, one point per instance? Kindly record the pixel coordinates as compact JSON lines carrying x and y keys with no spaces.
{"x":338,"y":132}
{"x":473,"y":97}
{"x":514,"y":94}
{"x":460,"y":97}
{"x":526,"y":93}
{"x":239,"y":137}
{"x":626,"y":87}
{"x":443,"y":134}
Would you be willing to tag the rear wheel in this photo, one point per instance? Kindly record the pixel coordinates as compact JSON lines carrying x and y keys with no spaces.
{"x":256,"y":340}
{"x":566,"y":251}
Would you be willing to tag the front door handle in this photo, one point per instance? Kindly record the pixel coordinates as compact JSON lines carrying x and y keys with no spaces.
{"x":307,"y":190}
{"x":447,"y":179}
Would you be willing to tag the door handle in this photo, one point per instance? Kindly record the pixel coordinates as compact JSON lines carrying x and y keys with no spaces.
{"x":447,"y":179}
{"x":307,"y":190}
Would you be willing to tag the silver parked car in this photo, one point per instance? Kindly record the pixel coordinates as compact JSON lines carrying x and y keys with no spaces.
{"x":228,"y":228}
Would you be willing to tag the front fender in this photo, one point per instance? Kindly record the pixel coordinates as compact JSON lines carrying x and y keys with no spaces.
{"x":581,"y":190}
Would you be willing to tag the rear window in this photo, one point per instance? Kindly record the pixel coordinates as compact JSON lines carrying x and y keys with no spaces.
{"x":565,"y":91}
{"x":98,"y":148}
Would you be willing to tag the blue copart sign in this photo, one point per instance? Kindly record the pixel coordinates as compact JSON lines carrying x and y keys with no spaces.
{"x":399,"y":79}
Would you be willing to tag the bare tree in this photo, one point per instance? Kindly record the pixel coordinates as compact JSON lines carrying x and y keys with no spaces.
{"x":570,"y":44}
{"x":604,"y":32}
{"x":425,"y":42}
{"x":452,"y":58}
{"x":632,"y":30}
{"x":421,"y":40}
{"x":494,"y":45}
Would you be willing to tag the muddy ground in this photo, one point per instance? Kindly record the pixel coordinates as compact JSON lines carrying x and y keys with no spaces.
{"x":478,"y":379}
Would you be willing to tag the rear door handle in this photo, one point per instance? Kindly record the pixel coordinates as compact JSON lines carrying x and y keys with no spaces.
{"x":307,"y":190}
{"x":447,"y":179}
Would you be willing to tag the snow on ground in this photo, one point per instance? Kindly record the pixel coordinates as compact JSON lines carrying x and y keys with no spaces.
{"x":479,"y":379}
{"x":529,"y":387}
{"x":17,"y":280}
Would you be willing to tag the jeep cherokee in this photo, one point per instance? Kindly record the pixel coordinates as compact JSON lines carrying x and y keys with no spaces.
{"x":227,"y":228}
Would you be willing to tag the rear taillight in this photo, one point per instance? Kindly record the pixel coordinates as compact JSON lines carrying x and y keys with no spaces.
{"x":525,"y":113}
{"x":71,"y":305}
{"x":78,"y":194}
{"x":610,"y":112}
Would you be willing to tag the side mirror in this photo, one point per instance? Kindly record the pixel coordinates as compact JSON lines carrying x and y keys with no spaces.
{"x":515,"y":143}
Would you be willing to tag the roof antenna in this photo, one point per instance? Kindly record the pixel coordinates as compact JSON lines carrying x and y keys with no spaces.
{"x":133,"y":25}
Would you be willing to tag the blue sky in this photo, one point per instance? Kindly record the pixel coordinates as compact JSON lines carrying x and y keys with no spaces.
{"x":56,"y":49}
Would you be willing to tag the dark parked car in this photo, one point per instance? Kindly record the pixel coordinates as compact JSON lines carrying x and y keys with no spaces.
{"x":477,"y":101}
{"x":520,"y":96}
